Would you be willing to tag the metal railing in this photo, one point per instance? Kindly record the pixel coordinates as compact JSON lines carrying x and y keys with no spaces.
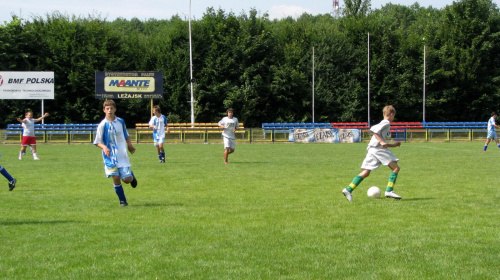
{"x":247,"y":135}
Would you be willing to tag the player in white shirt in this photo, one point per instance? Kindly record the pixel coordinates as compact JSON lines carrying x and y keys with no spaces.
{"x":377,"y":153}
{"x":29,"y":138}
{"x":112,"y":137}
{"x":492,"y":133}
{"x":229,"y":125}
{"x":159,"y":124}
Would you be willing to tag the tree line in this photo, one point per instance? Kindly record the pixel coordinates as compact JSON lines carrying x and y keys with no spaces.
{"x":263,"y":68}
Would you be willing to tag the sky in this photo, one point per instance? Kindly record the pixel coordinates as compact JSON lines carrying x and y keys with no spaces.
{"x":165,"y":9}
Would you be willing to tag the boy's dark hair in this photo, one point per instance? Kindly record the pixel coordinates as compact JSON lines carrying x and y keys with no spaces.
{"x":157,"y":108}
{"x":494,"y":114}
{"x":230,"y":110}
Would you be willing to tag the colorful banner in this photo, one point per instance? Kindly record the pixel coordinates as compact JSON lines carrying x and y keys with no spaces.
{"x":129,"y":85}
{"x":26,"y":85}
{"x":325,"y":135}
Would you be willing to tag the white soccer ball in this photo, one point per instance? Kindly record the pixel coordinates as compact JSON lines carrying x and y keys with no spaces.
{"x":373,"y":192}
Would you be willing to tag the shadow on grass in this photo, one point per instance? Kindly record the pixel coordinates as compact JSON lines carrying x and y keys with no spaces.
{"x":158,"y":205}
{"x":17,"y":223}
{"x":248,"y":162}
{"x":417,"y":198}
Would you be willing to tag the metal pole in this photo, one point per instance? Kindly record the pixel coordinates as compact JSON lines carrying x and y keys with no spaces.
{"x":313,"y":87}
{"x":423,"y":111}
{"x":191,"y":65}
{"x":43,"y":111}
{"x":368,"y":79}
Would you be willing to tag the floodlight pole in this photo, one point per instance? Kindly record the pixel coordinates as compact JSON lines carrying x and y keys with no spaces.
{"x":191,"y":66}
{"x":43,"y":111}
{"x":313,"y":87}
{"x":423,"y":102}
{"x":368,"y":79}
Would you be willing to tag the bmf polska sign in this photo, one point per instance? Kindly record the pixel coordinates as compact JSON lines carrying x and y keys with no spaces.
{"x":129,"y":85}
{"x":26,"y":85}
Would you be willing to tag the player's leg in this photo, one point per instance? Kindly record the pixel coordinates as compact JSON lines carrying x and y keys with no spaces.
{"x":12,"y":180}
{"x":128,"y":176}
{"x":231,"y":146}
{"x":24,"y":144}
{"x":158,"y":152}
{"x":226,"y":149}
{"x":35,"y":157}
{"x":389,"y":191}
{"x":114,"y":173}
{"x":161,"y":152}
{"x":119,"y":191}
{"x":347,"y":192}
{"x":22,"y":151}
{"x":489,"y":137}
{"x":226,"y":153}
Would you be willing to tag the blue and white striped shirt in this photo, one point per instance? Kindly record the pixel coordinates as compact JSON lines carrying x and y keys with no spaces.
{"x":114,"y":134}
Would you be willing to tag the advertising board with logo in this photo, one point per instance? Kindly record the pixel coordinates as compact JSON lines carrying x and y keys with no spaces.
{"x":129,"y":85}
{"x":26,"y":85}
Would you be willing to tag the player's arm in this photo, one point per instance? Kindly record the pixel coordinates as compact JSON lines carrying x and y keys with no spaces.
{"x":221,"y":125}
{"x":385,"y":144}
{"x":104,"y":148}
{"x":152,"y":124}
{"x":380,"y":140}
{"x":21,"y":120}
{"x":42,"y":117}
{"x":395,"y":144}
{"x":131,"y":148}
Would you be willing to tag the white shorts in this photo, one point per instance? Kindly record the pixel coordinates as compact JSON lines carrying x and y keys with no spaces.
{"x":159,"y":140}
{"x":492,"y":135}
{"x":376,"y":157}
{"x":123,"y":172}
{"x":229,"y":143}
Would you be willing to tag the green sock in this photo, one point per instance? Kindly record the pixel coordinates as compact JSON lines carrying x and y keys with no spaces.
{"x":355,"y":182}
{"x":392,"y":181}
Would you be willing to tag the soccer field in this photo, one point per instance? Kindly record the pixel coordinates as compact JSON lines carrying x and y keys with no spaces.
{"x":276,"y":211}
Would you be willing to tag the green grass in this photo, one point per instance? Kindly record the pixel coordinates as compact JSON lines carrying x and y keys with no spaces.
{"x":275,"y":212}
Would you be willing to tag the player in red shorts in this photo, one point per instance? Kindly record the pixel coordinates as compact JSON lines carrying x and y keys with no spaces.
{"x":29,"y":133}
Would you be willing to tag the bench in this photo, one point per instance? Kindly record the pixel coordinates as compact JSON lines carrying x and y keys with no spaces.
{"x":57,"y":132}
{"x":185,"y":127}
{"x":452,"y":125}
{"x":196,"y":131}
{"x":285,"y":127}
{"x":397,"y":125}
{"x":350,"y":125}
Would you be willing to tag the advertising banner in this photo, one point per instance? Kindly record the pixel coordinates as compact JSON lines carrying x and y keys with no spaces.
{"x":26,"y":85}
{"x":129,"y":85}
{"x":325,"y":135}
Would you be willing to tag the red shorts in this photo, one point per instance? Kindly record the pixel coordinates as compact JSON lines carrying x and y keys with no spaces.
{"x":28,"y":141}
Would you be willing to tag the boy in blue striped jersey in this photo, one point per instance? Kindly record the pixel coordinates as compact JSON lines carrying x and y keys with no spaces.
{"x":159,"y":124}
{"x":112,"y":137}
